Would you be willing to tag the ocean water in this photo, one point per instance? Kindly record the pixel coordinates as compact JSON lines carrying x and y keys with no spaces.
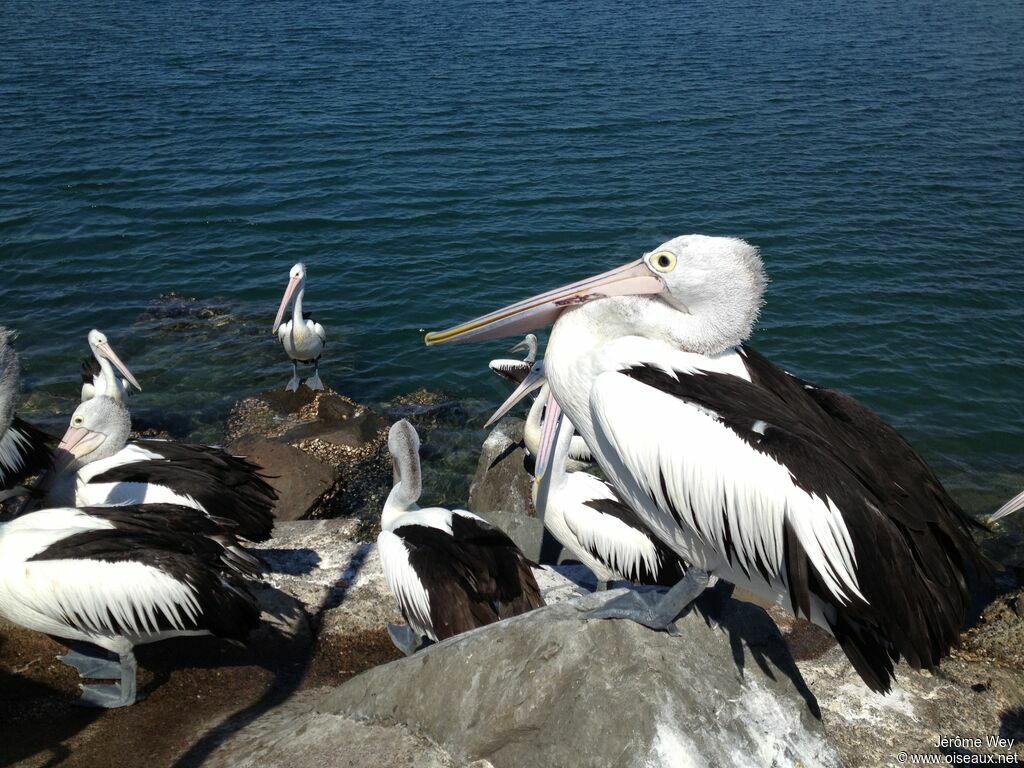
{"x":429,"y":162}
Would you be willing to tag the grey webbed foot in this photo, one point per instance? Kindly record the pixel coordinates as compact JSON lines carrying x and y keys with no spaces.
{"x":98,"y":666}
{"x":120,"y":694}
{"x":292,"y":385}
{"x":405,"y":640}
{"x":313,"y":382}
{"x":652,"y":609}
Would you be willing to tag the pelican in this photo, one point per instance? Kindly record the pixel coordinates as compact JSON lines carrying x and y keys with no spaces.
{"x":579,"y":453}
{"x":586,"y":515}
{"x":302,"y":337}
{"x":517,"y":370}
{"x":95,"y":465}
{"x":94,"y":374}
{"x":24,"y":449}
{"x":797,"y":493}
{"x":120,"y":577}
{"x":449,"y":570}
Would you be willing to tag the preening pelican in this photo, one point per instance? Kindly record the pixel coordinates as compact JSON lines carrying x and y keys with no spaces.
{"x":24,"y":450}
{"x":449,"y":570}
{"x":95,"y":465}
{"x":517,"y":370}
{"x":586,"y":515}
{"x":302,"y":337}
{"x":579,"y":453}
{"x":797,"y":493}
{"x":120,"y":577}
{"x":94,"y":373}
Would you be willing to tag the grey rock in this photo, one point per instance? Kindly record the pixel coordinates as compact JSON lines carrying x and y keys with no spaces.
{"x":501,"y":482}
{"x":546,"y":689}
{"x":299,"y":479}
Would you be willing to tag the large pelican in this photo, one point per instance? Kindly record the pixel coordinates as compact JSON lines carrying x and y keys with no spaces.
{"x":94,"y":373}
{"x":587,"y":516}
{"x":449,"y":570}
{"x":797,"y":493}
{"x":24,"y":449}
{"x":120,"y":577}
{"x":95,"y":465}
{"x":302,"y":337}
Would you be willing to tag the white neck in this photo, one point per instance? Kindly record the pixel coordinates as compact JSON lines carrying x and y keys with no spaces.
{"x":297,"y":306}
{"x":531,"y":430}
{"x":405,"y":493}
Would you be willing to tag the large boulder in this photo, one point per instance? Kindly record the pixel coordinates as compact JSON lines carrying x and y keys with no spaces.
{"x":502,"y":482}
{"x":546,"y":689}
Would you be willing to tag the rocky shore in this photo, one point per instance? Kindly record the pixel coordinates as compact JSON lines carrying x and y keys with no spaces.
{"x":320,"y":683}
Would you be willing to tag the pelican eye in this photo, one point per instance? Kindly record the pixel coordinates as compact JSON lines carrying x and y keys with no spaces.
{"x":664,"y":261}
{"x":78,"y":421}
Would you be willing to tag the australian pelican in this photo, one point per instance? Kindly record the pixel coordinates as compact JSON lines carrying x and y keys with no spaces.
{"x":449,"y":570}
{"x":797,"y":493}
{"x":95,"y":465}
{"x":24,"y":450}
{"x":587,"y":516}
{"x":119,"y":577}
{"x":94,"y":373}
{"x":302,"y":337}
{"x":517,"y":370}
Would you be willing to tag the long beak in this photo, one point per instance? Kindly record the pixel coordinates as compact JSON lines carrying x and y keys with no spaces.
{"x":105,"y":349}
{"x":522,"y":346}
{"x":534,"y":380}
{"x":631,"y":279}
{"x":1014,"y":504}
{"x":293,"y":284}
{"x":553,"y":419}
{"x":77,"y":442}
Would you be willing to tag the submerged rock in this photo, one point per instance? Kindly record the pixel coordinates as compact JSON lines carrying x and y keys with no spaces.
{"x":547,"y":689}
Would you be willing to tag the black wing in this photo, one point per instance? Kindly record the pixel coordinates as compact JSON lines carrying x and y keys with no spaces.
{"x":25,"y":451}
{"x":227,"y":486}
{"x":475,"y":576}
{"x":909,"y":538}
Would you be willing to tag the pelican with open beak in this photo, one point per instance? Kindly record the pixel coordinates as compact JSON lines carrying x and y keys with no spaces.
{"x":302,"y":337}
{"x":797,"y":493}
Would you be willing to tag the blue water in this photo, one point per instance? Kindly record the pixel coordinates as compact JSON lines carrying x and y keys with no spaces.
{"x":429,"y":162}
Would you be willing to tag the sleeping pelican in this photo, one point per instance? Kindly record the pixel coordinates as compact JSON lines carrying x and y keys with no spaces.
{"x":797,"y":493}
{"x":24,"y":450}
{"x":302,"y":337}
{"x":95,"y":465}
{"x":517,"y":370}
{"x":94,"y":374}
{"x":120,"y":577}
{"x":586,"y":515}
{"x":449,"y":570}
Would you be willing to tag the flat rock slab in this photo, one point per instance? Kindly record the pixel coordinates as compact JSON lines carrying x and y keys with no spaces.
{"x":546,"y":689}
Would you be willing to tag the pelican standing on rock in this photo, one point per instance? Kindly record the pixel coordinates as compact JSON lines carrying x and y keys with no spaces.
{"x":302,"y":337}
{"x":120,"y":577}
{"x":24,"y":449}
{"x":449,"y":570}
{"x":94,"y":369}
{"x":798,"y":494}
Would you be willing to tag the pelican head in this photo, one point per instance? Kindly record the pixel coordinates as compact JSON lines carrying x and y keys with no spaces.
{"x":699,"y":293}
{"x":102,"y":351}
{"x":296,"y":279}
{"x":99,"y":428}
{"x":529,"y":345}
{"x":534,"y":379}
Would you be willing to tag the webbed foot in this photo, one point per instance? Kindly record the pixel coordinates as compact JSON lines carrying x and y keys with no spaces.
{"x":405,"y":640}
{"x":656,"y":610}
{"x":313,"y":382}
{"x":98,"y":666}
{"x":292,"y":385}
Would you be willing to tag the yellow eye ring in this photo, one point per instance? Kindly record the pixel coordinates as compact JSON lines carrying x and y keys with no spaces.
{"x":663,"y":261}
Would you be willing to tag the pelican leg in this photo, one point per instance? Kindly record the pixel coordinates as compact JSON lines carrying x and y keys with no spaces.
{"x":313,"y":382}
{"x":120,"y":694}
{"x":652,"y":609}
{"x":405,"y":640}
{"x":293,"y":385}
{"x":92,"y":662}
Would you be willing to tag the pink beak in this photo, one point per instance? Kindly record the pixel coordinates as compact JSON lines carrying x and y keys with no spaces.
{"x":77,"y":442}
{"x":632,"y":279}
{"x":293,"y":284}
{"x":106,"y":351}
